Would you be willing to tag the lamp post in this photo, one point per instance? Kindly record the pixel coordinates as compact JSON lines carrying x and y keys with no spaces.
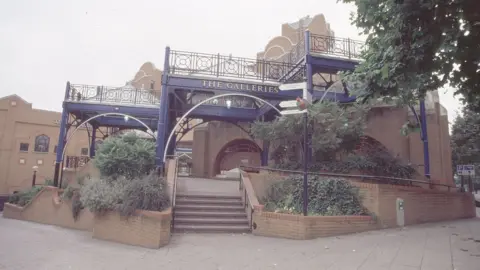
{"x":34,"y":177}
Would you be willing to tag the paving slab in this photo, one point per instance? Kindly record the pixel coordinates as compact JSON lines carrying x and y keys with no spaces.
{"x":436,"y":246}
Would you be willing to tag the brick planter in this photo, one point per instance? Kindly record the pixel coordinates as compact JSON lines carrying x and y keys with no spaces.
{"x":146,"y":228}
{"x":309,"y":227}
{"x":47,"y":208}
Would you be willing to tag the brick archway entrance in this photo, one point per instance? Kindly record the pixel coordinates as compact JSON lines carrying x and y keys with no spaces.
{"x":237,"y":152}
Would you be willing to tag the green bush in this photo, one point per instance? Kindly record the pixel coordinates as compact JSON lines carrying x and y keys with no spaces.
{"x":102,"y":195}
{"x":147,"y":193}
{"x":126,"y":196}
{"x":128,"y":155}
{"x":327,"y":197}
{"x":24,"y":197}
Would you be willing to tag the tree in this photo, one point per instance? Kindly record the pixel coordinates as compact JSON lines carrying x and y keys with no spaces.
{"x":337,"y":141}
{"x":334,"y":128}
{"x":465,"y":139}
{"x":127,"y":155}
{"x":414,"y":46}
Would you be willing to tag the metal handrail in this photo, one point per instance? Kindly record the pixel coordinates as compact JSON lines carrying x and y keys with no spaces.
{"x":392,"y":180}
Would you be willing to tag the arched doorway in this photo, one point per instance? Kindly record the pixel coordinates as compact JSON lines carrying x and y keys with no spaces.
{"x":235,"y":153}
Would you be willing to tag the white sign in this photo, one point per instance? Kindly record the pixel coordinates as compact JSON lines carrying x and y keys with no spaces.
{"x":465,"y":169}
{"x":288,"y":104}
{"x":296,"y":111}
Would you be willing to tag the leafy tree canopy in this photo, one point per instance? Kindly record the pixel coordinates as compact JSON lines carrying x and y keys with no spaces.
{"x":414,"y":46}
{"x":333,"y":128}
{"x":465,"y":139}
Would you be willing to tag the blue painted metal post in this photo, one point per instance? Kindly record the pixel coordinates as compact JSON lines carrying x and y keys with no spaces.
{"x":426,"y":153}
{"x":162,"y":115}
{"x":61,"y":137}
{"x":92,"y":143}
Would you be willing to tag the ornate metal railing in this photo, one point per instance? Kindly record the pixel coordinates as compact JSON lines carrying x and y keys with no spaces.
{"x":75,"y":162}
{"x":117,"y":95}
{"x":343,"y":47}
{"x":192,"y":63}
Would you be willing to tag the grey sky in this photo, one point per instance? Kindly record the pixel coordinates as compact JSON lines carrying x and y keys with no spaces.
{"x":45,"y":43}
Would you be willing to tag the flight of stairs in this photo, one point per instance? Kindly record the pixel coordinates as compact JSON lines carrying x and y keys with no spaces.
{"x":202,"y":213}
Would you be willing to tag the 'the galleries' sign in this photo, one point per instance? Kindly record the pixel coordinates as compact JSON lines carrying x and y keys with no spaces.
{"x":240,"y":86}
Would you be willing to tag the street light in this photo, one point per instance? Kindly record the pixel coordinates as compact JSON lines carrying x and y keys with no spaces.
{"x":34,"y":177}
{"x":229,"y":103}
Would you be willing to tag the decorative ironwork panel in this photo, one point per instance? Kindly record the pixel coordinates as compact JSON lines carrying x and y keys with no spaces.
{"x":192,"y":63}
{"x":117,"y":95}
{"x":330,"y":45}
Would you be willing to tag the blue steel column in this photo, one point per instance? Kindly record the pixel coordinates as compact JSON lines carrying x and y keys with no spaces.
{"x":92,"y":143}
{"x":309,"y":75}
{"x":162,"y":114}
{"x":61,"y":137}
{"x":426,"y":153}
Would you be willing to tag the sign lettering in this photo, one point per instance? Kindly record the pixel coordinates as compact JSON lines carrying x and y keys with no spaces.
{"x":240,"y":86}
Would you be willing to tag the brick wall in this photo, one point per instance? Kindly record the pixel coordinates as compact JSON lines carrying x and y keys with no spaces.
{"x":146,"y":228}
{"x":421,"y":205}
{"x":47,"y":208}
{"x":310,"y":227}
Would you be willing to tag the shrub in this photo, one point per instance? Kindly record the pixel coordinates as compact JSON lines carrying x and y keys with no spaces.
{"x":327,"y":196}
{"x":24,"y":197}
{"x":102,"y":195}
{"x":147,"y":193}
{"x":127,"y":155}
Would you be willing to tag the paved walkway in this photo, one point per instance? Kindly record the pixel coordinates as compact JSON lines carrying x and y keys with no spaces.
{"x":452,"y":245}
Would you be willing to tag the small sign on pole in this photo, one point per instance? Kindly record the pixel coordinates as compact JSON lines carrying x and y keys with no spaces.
{"x":466,"y":170}
{"x":292,"y":107}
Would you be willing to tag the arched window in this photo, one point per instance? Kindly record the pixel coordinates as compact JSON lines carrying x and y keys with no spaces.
{"x":41,"y":143}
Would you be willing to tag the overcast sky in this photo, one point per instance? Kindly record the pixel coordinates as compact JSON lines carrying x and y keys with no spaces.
{"x":44,"y":44}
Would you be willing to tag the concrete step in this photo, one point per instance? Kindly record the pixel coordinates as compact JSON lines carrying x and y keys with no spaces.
{"x":206,"y":214}
{"x":189,"y":201}
{"x":210,"y":208}
{"x":211,"y":228}
{"x":194,"y":196}
{"x":213,"y":221}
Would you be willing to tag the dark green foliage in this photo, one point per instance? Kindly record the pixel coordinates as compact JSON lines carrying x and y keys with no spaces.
{"x":334,"y":128}
{"x":147,"y":193}
{"x":69,"y":192}
{"x":24,"y":197}
{"x":77,"y":205}
{"x":327,"y":196}
{"x":102,"y":195}
{"x":418,"y":46}
{"x":465,"y":140}
{"x":128,"y":155}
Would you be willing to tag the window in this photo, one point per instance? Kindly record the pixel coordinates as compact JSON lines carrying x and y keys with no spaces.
{"x":84,"y":152}
{"x":55,"y":149}
{"x":24,"y":147}
{"x":41,"y":143}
